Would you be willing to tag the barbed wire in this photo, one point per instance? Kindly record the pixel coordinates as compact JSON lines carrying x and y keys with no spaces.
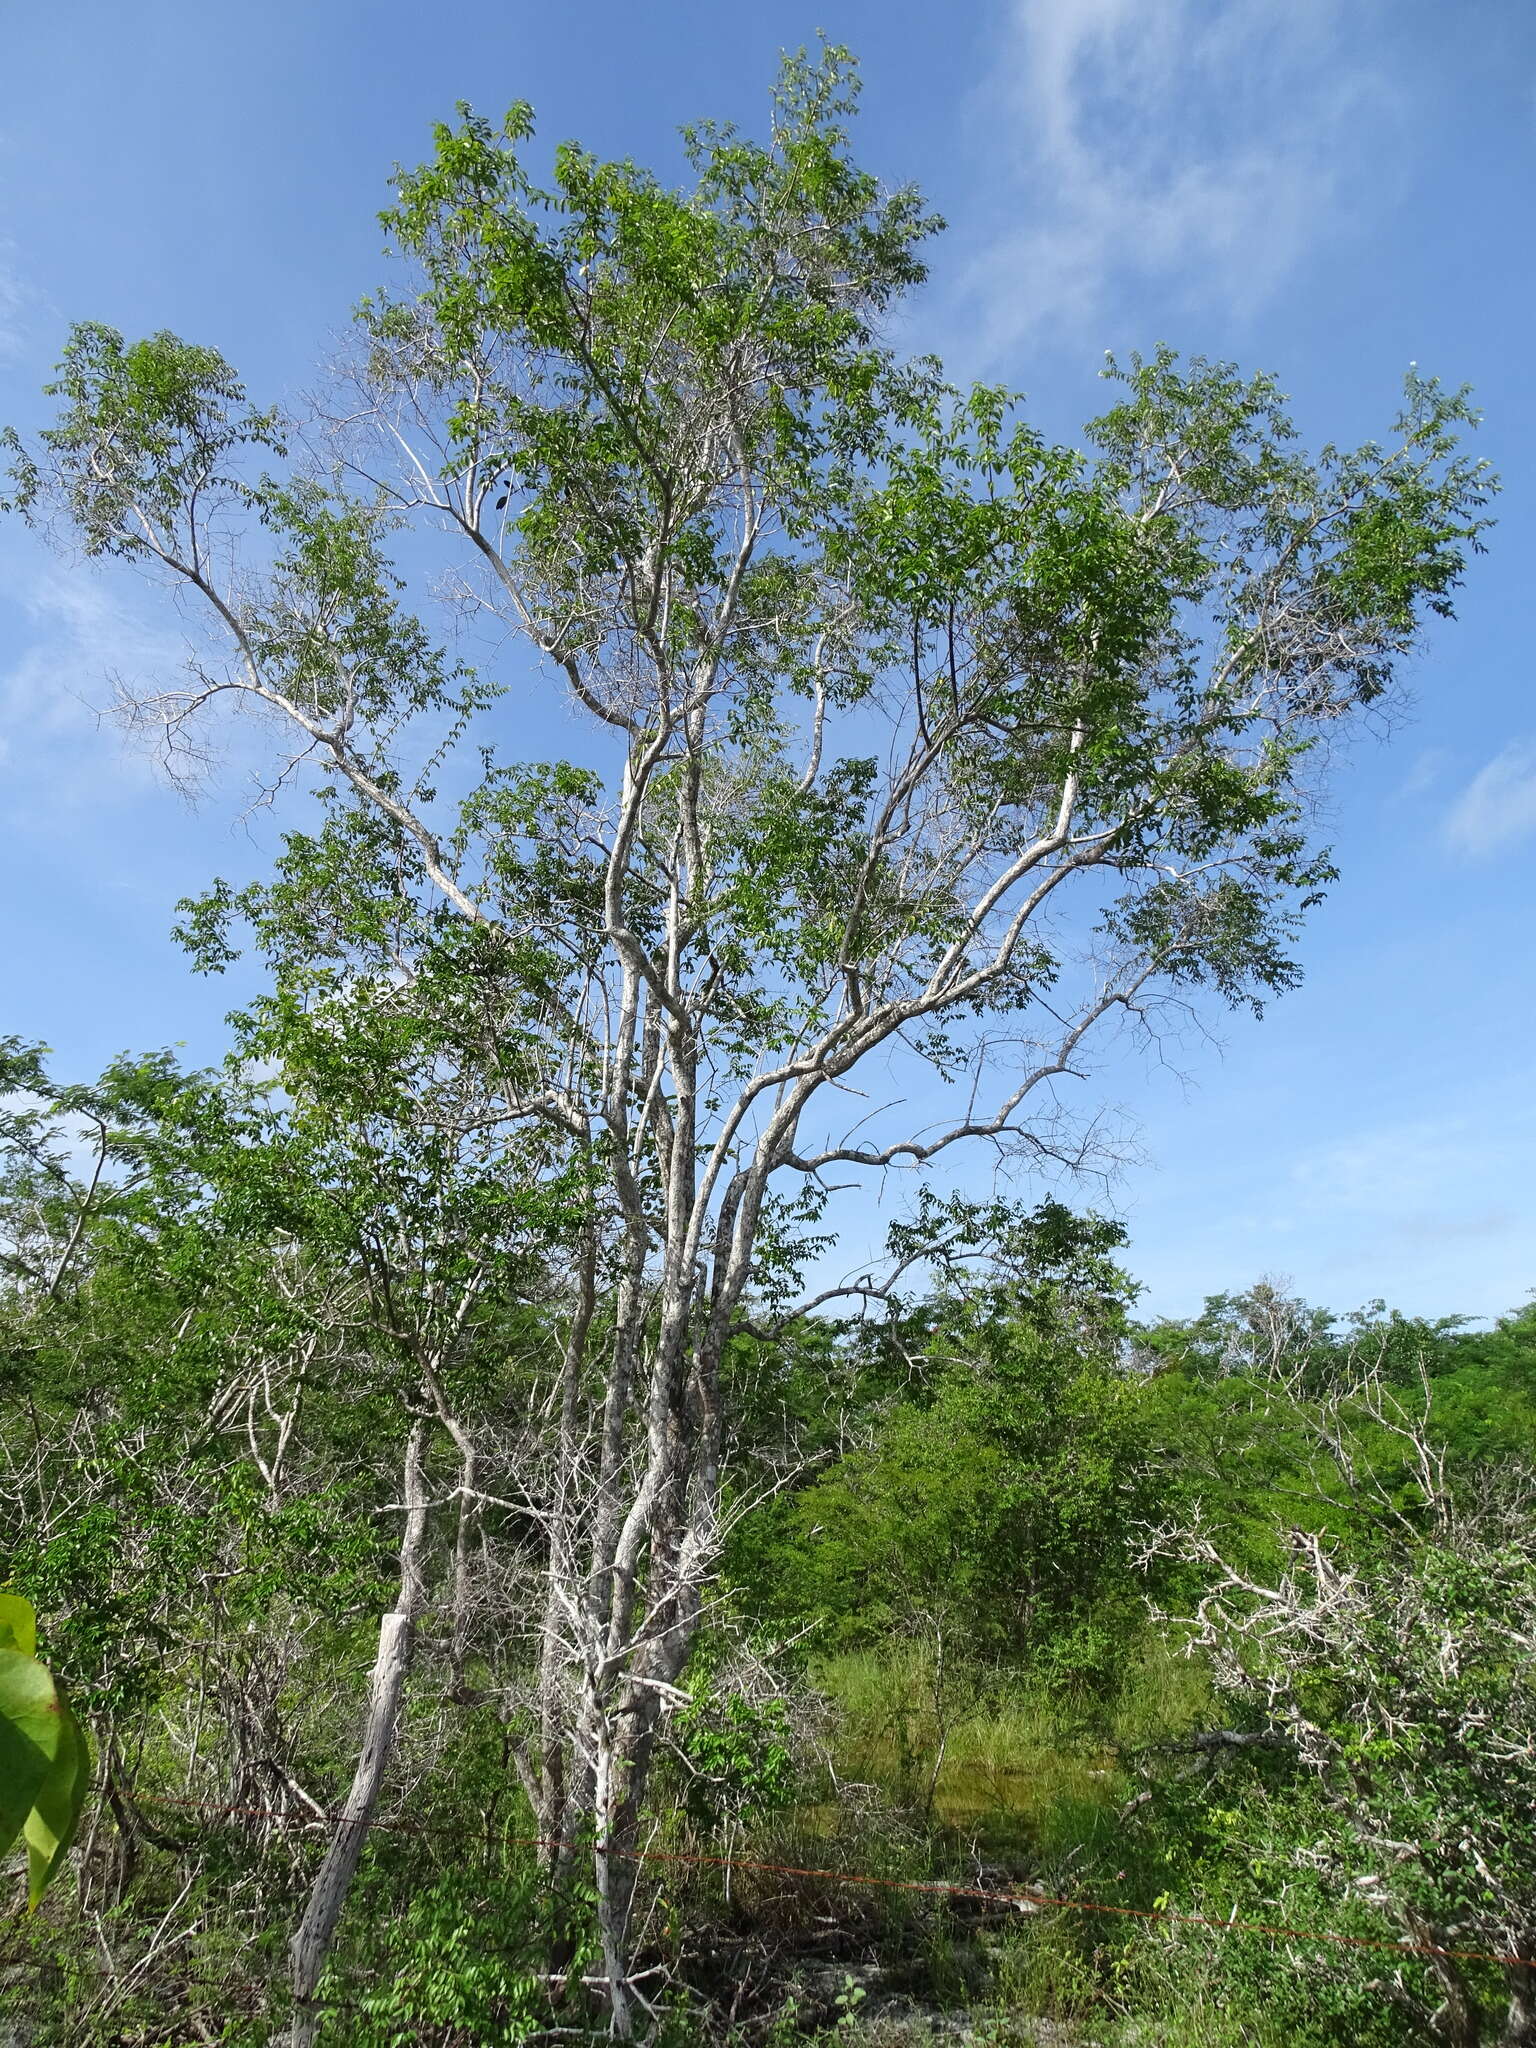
{"x":1022,"y":1898}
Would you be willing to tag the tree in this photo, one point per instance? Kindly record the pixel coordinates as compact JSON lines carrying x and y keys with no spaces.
{"x":907,"y":732}
{"x":985,"y":1505}
{"x":249,"y":1307}
{"x":384,"y":1182}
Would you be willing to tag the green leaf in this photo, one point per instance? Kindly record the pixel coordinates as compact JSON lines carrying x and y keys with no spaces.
{"x":18,"y":1625}
{"x":55,"y":1815}
{"x":44,"y":1758}
{"x":30,"y":1729}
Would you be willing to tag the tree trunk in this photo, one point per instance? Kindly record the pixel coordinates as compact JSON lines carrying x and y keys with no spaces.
{"x":311,"y":1944}
{"x":1457,"y":2022}
{"x":647,"y":1613}
{"x":1520,"y":2019}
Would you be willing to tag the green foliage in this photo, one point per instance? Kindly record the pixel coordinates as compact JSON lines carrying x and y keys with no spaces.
{"x":45,"y":1762}
{"x":996,"y":1508}
{"x":461,"y":1962}
{"x":1406,"y":1689}
{"x":1162,"y":622}
{"x":738,"y":1764}
{"x":523,"y":1149}
{"x":149,"y":423}
{"x":18,"y":1625}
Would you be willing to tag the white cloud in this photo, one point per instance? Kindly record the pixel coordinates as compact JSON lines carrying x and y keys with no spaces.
{"x":1426,"y":769}
{"x":1393,"y":1171}
{"x":77,"y":636}
{"x":1497,"y":808}
{"x":1433,"y":1212}
{"x":11,"y":300}
{"x":1423,"y":1184}
{"x":16,"y":303}
{"x":1198,"y":143}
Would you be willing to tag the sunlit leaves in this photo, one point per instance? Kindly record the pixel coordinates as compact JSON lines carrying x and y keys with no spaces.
{"x":44,"y":1759}
{"x":620,"y":349}
{"x":145,"y":428}
{"x":693,"y":474}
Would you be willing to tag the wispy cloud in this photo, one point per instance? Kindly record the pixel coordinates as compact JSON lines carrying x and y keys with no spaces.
{"x":1497,"y":808}
{"x":17,"y":304}
{"x":1201,"y":145}
{"x":1432,"y":1211}
{"x":12,"y":299}
{"x":1425,"y":770}
{"x":77,"y":636}
{"x":1394,"y":1173}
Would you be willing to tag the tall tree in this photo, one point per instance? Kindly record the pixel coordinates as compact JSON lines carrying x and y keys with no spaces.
{"x":907,"y":734}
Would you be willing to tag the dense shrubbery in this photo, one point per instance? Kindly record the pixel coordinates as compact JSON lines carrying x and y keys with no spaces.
{"x":1234,"y":1616}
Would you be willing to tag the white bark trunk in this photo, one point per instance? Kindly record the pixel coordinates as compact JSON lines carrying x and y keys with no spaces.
{"x":311,"y":1945}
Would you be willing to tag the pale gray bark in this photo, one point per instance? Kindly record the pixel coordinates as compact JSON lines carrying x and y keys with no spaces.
{"x":312,"y":1941}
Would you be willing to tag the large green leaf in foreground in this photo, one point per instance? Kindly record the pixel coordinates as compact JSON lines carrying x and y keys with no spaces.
{"x":44,"y":1758}
{"x":30,"y":1729}
{"x":55,"y":1815}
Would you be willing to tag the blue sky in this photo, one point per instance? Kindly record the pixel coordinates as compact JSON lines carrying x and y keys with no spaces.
{"x":1329,"y":189}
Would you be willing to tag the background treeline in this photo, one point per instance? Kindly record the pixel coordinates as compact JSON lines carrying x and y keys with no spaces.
{"x":1233,"y":1615}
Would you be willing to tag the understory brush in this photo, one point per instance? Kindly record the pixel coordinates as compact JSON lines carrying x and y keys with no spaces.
{"x":1119,"y":1809}
{"x":805,"y":1897}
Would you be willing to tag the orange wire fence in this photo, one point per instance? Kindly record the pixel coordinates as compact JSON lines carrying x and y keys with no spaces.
{"x":1021,"y":1898}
